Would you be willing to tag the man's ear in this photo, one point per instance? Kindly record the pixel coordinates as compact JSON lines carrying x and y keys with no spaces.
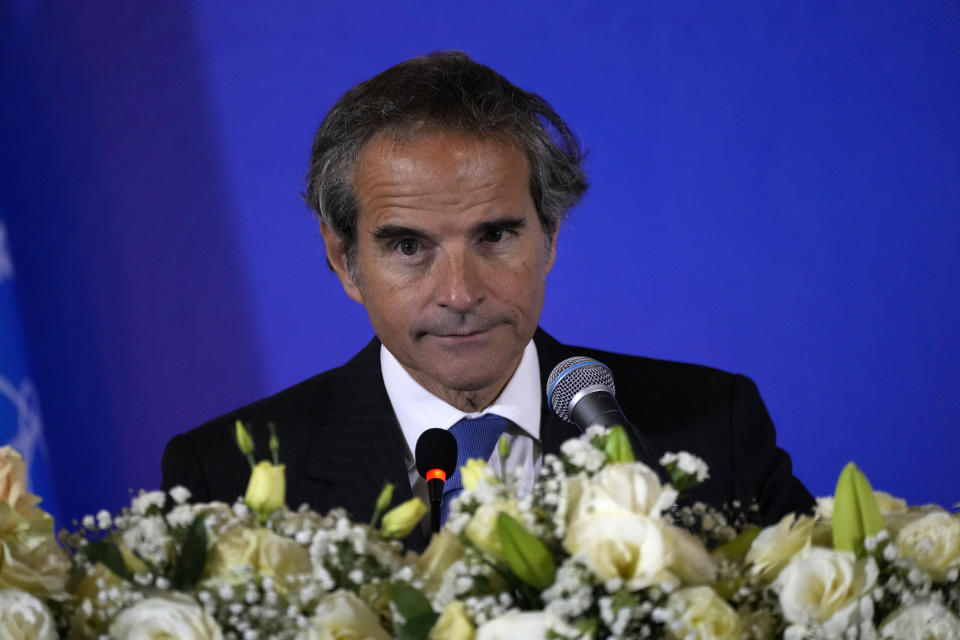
{"x":337,"y":258}
{"x":552,"y":255}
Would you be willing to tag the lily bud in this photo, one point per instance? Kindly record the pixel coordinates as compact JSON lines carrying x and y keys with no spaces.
{"x":244,"y":441}
{"x":400,"y":521}
{"x":274,"y":443}
{"x":386,"y":496}
{"x":528,"y":558}
{"x":503,"y":447}
{"x":267,"y":489}
{"x":856,"y":513}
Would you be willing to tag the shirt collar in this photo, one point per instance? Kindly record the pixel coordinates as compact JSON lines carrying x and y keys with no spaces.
{"x":418,"y":410}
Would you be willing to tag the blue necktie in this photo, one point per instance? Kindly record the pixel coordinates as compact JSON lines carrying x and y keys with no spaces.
{"x":476,"y":438}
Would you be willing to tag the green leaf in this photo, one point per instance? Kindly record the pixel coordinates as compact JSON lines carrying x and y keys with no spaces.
{"x":416,"y":610}
{"x":617,"y":447}
{"x":193,"y":556}
{"x":528,"y":558}
{"x":737,"y":548}
{"x":109,"y":555}
{"x":856,"y":514}
{"x":417,"y":627}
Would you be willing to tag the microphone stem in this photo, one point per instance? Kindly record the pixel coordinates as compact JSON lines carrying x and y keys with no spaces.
{"x":435,"y":515}
{"x":435,"y":492}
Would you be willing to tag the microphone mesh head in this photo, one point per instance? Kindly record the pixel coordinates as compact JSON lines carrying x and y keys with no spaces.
{"x":572,"y":376}
{"x":436,"y":449}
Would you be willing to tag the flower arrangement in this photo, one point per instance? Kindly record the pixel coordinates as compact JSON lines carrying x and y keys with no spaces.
{"x":598,"y":549}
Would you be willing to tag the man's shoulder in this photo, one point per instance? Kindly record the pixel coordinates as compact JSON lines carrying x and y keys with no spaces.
{"x":207,"y":461}
{"x":639,"y":374}
{"x":290,"y":408}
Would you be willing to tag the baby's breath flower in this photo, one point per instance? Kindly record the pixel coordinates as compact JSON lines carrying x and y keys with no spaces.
{"x":146,"y":499}
{"x":180,"y":494}
{"x":104,"y":521}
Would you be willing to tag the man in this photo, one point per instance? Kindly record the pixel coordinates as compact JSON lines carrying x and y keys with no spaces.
{"x":440,"y":187}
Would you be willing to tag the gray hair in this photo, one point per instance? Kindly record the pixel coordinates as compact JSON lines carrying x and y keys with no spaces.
{"x":442,"y":91}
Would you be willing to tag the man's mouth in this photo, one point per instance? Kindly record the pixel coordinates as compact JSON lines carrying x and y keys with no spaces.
{"x":462,"y":336}
{"x":459,"y":334}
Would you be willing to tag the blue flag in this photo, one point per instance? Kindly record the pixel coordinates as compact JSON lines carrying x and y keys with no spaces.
{"x":21,"y":425}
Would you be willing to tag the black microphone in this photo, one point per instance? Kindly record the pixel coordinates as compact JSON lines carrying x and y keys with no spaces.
{"x":580,"y":390}
{"x":436,"y":457}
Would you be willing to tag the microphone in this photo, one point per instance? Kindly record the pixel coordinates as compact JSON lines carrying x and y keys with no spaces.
{"x":436,"y":457}
{"x":580,"y":391}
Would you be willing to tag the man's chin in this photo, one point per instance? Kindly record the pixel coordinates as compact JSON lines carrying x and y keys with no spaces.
{"x":459,"y":383}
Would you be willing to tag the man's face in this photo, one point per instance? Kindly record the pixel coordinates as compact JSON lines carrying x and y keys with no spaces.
{"x":451,"y":260}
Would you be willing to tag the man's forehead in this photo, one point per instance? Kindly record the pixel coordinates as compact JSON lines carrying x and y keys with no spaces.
{"x":396,"y":143}
{"x":438,"y":163}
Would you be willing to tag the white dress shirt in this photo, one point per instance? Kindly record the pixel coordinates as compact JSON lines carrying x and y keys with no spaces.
{"x":418,"y":410}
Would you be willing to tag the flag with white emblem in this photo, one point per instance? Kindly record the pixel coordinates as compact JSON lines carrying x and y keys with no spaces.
{"x":21,"y":425}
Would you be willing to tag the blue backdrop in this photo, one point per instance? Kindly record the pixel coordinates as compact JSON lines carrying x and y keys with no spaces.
{"x":775,"y":191}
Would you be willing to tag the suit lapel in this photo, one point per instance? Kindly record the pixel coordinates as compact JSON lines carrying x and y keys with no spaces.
{"x":359,"y":446}
{"x":553,"y":431}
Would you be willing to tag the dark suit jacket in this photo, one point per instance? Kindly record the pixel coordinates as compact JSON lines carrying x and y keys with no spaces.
{"x":341,"y":442}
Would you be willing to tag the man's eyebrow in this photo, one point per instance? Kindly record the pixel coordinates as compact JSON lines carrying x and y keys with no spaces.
{"x":397,"y":232}
{"x":504,"y":223}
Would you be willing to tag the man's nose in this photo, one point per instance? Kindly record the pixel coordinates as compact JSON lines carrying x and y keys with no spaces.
{"x":459,"y":284}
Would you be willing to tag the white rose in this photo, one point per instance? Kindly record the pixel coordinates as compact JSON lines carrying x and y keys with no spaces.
{"x":934,"y":542}
{"x":771,"y":550}
{"x":700,"y":614}
{"x":528,"y":625}
{"x":13,"y":484}
{"x":170,"y":616}
{"x":889,"y":503}
{"x":824,"y":586}
{"x":631,"y":486}
{"x":896,"y":521}
{"x":444,"y":549}
{"x":281,"y":557}
{"x":614,"y":524}
{"x":260,"y":549}
{"x":620,"y":544}
{"x":344,"y":616}
{"x":30,"y":557}
{"x":23,"y":617}
{"x":923,"y":621}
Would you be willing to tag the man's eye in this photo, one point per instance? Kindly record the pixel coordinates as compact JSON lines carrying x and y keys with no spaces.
{"x":494,"y":235}
{"x":408,"y":246}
